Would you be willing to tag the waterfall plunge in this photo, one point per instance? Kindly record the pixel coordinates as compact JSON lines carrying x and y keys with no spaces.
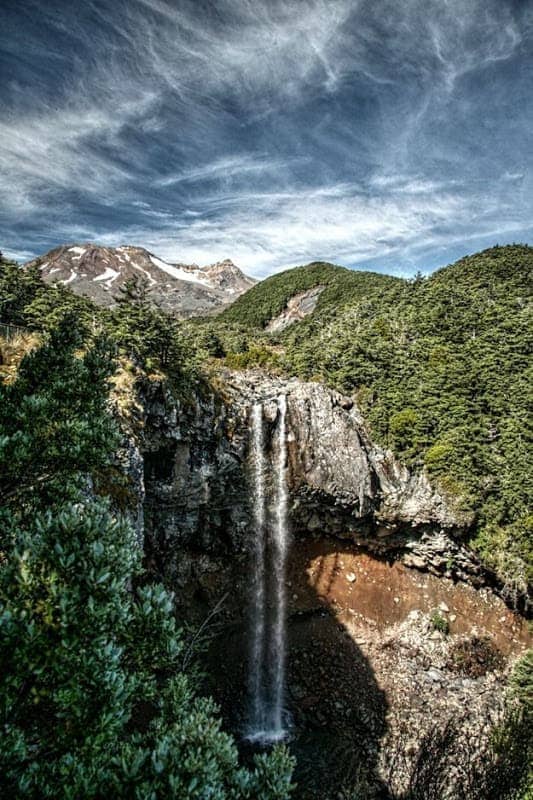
{"x":268,"y":647}
{"x":279,"y":557}
{"x":257,"y":656}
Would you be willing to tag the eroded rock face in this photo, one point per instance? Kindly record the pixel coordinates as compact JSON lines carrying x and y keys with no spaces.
{"x":333,"y":462}
{"x":374,"y":688}
{"x":195,"y":481}
{"x":369,"y":676}
{"x":195,"y":460}
{"x":298,"y":307}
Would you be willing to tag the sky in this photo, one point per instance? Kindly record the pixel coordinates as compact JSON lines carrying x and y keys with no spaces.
{"x":392,"y":135}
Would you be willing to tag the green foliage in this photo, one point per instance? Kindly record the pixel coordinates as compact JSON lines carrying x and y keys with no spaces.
{"x":211,"y":343}
{"x":92,"y":700}
{"x":215,"y":338}
{"x":510,"y":776}
{"x":508,"y":550}
{"x":255,"y":356}
{"x":140,"y":330}
{"x":26,"y":301}
{"x":149,"y":336}
{"x":402,"y":429}
{"x":521,"y":682}
{"x":439,"y":458}
{"x":439,"y":622}
{"x":52,"y":304}
{"x":18,"y":288}
{"x":53,"y":425}
{"x":267,"y":299}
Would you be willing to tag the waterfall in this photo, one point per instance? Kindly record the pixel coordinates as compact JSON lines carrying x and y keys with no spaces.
{"x":279,"y":558}
{"x":257,"y":655}
{"x":268,"y":635}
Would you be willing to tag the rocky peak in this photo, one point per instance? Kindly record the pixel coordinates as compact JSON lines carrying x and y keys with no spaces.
{"x":228,"y":277}
{"x":99,"y":273}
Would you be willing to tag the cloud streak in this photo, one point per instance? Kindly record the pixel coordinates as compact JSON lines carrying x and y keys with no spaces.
{"x":369,"y":133}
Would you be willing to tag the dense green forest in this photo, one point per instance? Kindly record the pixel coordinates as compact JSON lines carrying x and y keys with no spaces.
{"x":92,"y":706}
{"x":94,"y":699}
{"x":441,"y":368}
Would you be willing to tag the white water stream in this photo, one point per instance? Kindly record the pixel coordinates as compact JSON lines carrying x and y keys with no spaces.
{"x":268,"y":640}
{"x":257,"y":655}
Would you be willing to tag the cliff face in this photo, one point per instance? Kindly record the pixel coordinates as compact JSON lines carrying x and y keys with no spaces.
{"x":334,"y":464}
{"x":341,"y":484}
{"x":370,"y":677}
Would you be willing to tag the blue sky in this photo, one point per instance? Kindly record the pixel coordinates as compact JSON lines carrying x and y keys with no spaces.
{"x":394,"y":135}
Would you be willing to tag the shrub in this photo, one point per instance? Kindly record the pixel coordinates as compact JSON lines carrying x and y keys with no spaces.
{"x":256,"y":356}
{"x":474,"y":657}
{"x":402,"y":428}
{"x":93,"y":702}
{"x":54,"y":426}
{"x":439,"y":622}
{"x":439,"y":458}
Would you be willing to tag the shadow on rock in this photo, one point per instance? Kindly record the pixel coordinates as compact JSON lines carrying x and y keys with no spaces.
{"x":338,"y":710}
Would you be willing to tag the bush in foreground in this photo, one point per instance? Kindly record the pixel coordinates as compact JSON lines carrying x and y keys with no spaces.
{"x":94,"y":703}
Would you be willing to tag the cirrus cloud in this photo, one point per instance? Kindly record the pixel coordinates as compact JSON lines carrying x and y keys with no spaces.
{"x":369,"y":133}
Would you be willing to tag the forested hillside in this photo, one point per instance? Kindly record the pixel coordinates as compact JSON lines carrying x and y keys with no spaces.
{"x":440,"y":367}
{"x":341,"y":286}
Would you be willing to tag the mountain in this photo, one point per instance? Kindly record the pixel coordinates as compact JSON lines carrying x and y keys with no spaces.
{"x":318,"y":285}
{"x":340,"y":522}
{"x":100,"y":272}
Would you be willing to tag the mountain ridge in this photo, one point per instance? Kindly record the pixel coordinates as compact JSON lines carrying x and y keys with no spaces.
{"x":100,"y":272}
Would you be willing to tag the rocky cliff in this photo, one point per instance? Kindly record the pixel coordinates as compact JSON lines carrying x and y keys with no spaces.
{"x":195,"y":491}
{"x":372,"y":676}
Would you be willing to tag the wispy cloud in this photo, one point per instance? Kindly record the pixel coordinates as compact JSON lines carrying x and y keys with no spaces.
{"x":273,"y":133}
{"x":229,"y":167}
{"x":266,"y":232}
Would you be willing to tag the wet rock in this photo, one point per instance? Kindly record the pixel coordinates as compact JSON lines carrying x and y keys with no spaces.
{"x":298,"y":692}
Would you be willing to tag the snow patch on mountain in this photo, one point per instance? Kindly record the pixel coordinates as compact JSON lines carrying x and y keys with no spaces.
{"x":101,"y":273}
{"x":109,"y":273}
{"x":176,"y":272}
{"x":80,"y":251}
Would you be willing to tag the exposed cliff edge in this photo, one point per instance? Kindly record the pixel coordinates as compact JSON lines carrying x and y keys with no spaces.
{"x":188,"y":463}
{"x":371,"y":680}
{"x":333,"y":459}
